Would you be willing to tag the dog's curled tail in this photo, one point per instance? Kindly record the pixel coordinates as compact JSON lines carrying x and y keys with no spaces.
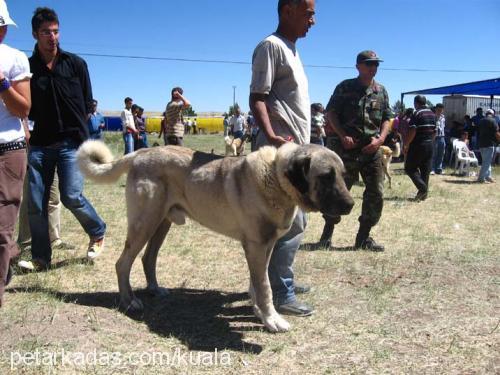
{"x":96,"y":162}
{"x":397,"y":150}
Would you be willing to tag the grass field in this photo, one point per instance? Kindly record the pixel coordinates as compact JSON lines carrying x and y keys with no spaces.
{"x":430,"y":304}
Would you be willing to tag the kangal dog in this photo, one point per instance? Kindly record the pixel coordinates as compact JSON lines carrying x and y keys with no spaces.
{"x":167,"y":184}
{"x":235,"y":146}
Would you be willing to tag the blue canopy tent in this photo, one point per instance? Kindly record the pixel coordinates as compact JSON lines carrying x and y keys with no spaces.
{"x":489,"y":87}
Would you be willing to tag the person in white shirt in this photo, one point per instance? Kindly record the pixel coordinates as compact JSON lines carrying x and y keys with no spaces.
{"x":128,"y":126}
{"x":15,"y":104}
{"x":237,"y":124}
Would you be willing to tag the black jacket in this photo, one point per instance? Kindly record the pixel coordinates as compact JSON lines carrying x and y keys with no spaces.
{"x":61,"y":99}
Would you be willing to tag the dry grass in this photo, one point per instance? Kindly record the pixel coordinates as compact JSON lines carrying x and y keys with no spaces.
{"x":428,"y":304}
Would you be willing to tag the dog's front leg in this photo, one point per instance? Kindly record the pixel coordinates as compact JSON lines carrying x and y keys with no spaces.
{"x":258,"y":256}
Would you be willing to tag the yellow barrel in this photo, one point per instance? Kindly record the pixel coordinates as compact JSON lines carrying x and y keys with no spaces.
{"x":205,"y":125}
{"x":209,"y":125}
{"x":153,"y":124}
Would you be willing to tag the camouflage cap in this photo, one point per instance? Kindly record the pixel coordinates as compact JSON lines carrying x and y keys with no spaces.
{"x":367,"y":56}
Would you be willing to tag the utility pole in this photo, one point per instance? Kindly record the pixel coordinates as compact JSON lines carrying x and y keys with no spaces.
{"x":234,"y":96}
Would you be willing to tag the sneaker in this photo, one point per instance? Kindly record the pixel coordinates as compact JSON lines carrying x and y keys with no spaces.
{"x":432,"y":173}
{"x":34,"y":265}
{"x":301,"y":288}
{"x":483,"y":181}
{"x":490,"y":180}
{"x":295,"y":308}
{"x":369,"y":244}
{"x":96,"y":246}
{"x":61,"y":245}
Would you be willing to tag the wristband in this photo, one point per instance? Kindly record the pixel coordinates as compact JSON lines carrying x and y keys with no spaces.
{"x":4,"y":85}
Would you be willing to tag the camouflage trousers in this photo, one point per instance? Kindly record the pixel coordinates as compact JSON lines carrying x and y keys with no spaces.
{"x":371,"y":170}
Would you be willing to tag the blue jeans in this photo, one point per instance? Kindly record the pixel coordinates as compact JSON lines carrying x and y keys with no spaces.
{"x":238,"y":134}
{"x":438,"y":154}
{"x":128,"y":138}
{"x":487,"y":156}
{"x":280,"y":267}
{"x":141,"y":142}
{"x":43,"y":162}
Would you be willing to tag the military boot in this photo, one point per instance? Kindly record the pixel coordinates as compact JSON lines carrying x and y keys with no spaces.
{"x":364,"y":241}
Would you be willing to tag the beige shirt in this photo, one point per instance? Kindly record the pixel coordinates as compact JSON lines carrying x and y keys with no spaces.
{"x":277,"y":72}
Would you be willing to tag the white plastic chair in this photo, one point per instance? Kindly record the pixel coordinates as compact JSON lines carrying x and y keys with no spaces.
{"x":464,"y":158}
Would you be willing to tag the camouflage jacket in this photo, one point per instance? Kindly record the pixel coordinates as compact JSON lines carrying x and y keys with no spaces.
{"x":361,"y":110}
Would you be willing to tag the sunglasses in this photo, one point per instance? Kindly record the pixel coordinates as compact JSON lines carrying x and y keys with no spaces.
{"x":371,"y":63}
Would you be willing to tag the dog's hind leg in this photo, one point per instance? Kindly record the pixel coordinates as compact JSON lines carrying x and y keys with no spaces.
{"x":388,"y":172}
{"x":123,"y":266}
{"x":141,"y":199}
{"x":150,"y":256}
{"x":389,"y":178}
{"x":258,"y":256}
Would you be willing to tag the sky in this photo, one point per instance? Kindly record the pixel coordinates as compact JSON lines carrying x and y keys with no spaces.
{"x":424,"y":44}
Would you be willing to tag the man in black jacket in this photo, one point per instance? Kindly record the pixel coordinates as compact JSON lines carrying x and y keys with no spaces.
{"x":61,"y":96}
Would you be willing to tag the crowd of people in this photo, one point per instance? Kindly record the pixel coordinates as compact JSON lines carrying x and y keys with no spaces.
{"x":355,"y":123}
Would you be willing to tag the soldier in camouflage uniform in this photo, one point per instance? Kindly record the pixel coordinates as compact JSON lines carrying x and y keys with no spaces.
{"x":359,"y":113}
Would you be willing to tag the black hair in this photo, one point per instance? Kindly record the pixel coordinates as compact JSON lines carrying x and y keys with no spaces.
{"x":282,"y":3}
{"x":317,"y":106}
{"x":134,"y":107}
{"x":409,"y":112}
{"x":127,"y":99}
{"x":178,"y":89}
{"x":420,"y":99}
{"x":439,"y":105}
{"x":42,"y":15}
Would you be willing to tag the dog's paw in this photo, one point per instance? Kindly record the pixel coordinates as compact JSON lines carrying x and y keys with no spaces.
{"x":275,"y":323}
{"x":158,"y":291}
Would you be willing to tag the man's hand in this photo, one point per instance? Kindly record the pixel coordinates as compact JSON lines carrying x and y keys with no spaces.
{"x":373,"y":146}
{"x":348,"y":143}
{"x":278,"y":141}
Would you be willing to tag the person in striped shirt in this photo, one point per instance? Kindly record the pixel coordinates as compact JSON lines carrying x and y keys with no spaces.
{"x":418,"y":149}
{"x":174,"y":129}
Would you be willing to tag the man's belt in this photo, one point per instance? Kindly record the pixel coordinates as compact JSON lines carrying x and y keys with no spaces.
{"x":11,"y":146}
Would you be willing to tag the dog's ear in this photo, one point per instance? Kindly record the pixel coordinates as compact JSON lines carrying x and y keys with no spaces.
{"x":297,"y":173}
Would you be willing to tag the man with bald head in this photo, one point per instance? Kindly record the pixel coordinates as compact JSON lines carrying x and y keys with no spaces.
{"x":279,"y":100}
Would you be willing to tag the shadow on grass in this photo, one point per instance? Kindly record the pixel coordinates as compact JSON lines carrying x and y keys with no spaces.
{"x":314,"y":246}
{"x":398,"y":199}
{"x":461,"y":182}
{"x":198,"y":318}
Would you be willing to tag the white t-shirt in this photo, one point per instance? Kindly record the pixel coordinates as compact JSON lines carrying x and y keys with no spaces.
{"x":238,"y":123}
{"x":127,"y":120}
{"x":277,"y":71}
{"x":15,"y":67}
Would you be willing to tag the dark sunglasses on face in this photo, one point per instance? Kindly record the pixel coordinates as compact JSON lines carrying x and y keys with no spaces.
{"x":371,"y":63}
